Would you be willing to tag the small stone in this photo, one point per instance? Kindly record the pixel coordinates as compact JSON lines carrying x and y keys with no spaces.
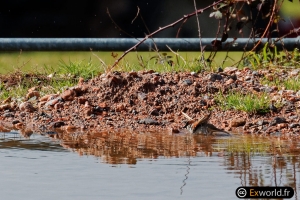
{"x":220,"y":69}
{"x":255,"y":73}
{"x":187,"y":82}
{"x":282,"y":125}
{"x":80,"y":89}
{"x":4,"y":107}
{"x":154,"y":112}
{"x":52,"y":102}
{"x":294,"y":125}
{"x":266,"y":89}
{"x":237,"y":122}
{"x":148,"y":121}
{"x":229,"y":70}
{"x":26,"y":106}
{"x":68,"y":95}
{"x":80,"y":81}
{"x":33,"y":94}
{"x":175,"y":130}
{"x":70,"y":128}
{"x":15,"y":121}
{"x":82,"y":100}
{"x":102,"y":105}
{"x":48,"y":97}
{"x":19,"y":125}
{"x":57,"y":124}
{"x":114,"y":80}
{"x":58,"y":106}
{"x":261,"y":122}
{"x":277,"y":120}
{"x":88,"y":111}
{"x":247,"y":78}
{"x":133,"y":74}
{"x":8,"y":115}
{"x":155,"y":79}
{"x":32,"y":89}
{"x":142,"y":96}
{"x":215,"y":77}
{"x":295,"y":72}
{"x":120,"y":107}
{"x":229,"y":81}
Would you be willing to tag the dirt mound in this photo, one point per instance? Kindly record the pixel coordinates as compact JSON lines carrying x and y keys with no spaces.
{"x":150,"y":100}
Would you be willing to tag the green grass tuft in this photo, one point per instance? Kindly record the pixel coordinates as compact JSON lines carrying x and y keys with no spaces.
{"x":250,"y":103}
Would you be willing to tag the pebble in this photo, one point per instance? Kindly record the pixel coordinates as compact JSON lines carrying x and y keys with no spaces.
{"x":187,"y":82}
{"x":33,"y":94}
{"x":148,"y":121}
{"x":229,"y":70}
{"x":214,"y":77}
{"x":237,"y":122}
{"x":277,"y":120}
{"x":68,"y":95}
{"x":4,"y":107}
{"x":26,"y":106}
{"x":142,"y":96}
{"x":57,"y":124}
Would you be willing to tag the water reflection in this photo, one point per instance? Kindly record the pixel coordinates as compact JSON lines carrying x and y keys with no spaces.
{"x":16,"y":140}
{"x":254,"y":161}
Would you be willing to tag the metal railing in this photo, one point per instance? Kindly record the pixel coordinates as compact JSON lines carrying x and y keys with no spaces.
{"x":122,"y":44}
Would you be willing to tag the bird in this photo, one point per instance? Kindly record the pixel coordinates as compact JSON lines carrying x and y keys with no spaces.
{"x":202,"y":126}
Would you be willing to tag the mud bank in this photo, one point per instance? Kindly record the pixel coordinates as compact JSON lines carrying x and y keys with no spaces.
{"x":149,"y":100}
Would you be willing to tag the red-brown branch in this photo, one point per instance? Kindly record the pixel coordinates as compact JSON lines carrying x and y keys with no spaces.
{"x":163,"y":28}
{"x":268,"y":26}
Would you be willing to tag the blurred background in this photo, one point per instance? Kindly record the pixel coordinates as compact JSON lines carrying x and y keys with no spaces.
{"x":89,"y":19}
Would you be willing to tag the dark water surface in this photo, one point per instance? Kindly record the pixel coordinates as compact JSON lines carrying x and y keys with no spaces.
{"x":142,"y":166}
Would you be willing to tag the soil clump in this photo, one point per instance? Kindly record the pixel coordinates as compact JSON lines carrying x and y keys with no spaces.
{"x":148,"y":100}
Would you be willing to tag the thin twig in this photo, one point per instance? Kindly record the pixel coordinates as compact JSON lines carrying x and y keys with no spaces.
{"x":103,"y":63}
{"x":137,"y":14}
{"x":200,"y":38}
{"x":118,"y":27}
{"x":271,"y":21}
{"x":177,"y":54}
{"x":163,"y":28}
{"x":180,"y":27}
{"x":268,"y":26}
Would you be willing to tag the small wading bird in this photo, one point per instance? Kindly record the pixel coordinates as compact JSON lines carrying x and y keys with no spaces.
{"x":202,"y":126}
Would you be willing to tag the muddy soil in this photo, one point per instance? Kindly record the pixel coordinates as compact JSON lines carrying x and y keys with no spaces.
{"x":148,"y":100}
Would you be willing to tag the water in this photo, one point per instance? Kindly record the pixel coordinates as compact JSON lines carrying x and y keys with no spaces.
{"x":124,"y":165}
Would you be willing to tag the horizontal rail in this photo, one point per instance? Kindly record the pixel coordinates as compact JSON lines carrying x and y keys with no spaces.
{"x":122,"y":44}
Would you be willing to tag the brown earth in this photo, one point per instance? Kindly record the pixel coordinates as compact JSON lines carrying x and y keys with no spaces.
{"x":154,"y":101}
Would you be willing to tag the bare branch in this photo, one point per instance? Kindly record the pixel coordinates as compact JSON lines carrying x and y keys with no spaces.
{"x":177,"y":54}
{"x":163,"y":28}
{"x":199,"y":34}
{"x":137,"y":14}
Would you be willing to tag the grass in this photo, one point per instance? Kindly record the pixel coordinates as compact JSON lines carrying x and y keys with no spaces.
{"x":250,"y":102}
{"x":65,"y":68}
{"x":43,"y":61}
{"x":19,"y":83}
{"x":289,"y":84}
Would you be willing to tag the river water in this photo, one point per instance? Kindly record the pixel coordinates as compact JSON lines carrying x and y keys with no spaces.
{"x":123,"y":165}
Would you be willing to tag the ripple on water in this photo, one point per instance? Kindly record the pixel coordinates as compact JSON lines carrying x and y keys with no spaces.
{"x":122,"y":165}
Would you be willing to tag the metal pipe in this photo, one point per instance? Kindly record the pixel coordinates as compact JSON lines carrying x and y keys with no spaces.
{"x":122,"y":44}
